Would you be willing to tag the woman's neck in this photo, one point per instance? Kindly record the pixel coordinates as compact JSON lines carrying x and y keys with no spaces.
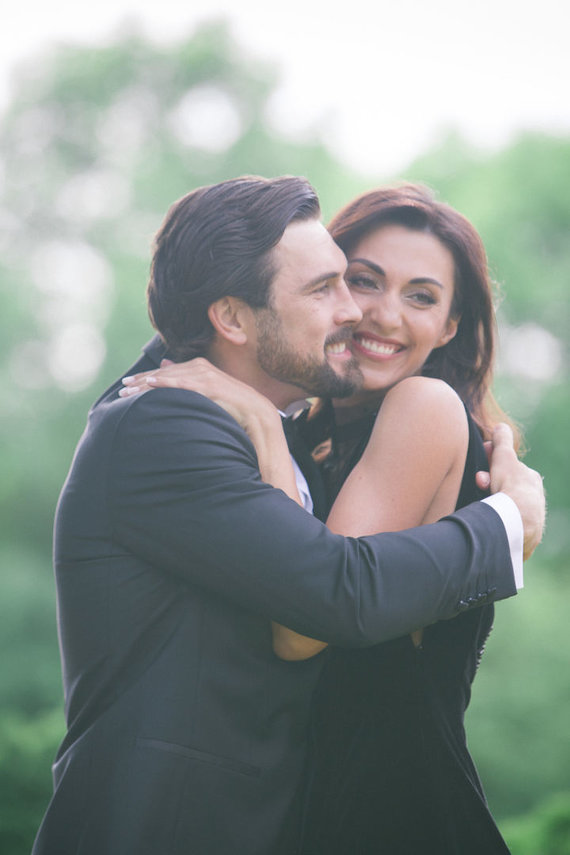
{"x":356,"y":407}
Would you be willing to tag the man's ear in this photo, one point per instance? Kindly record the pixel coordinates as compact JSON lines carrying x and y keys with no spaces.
{"x":232,"y":319}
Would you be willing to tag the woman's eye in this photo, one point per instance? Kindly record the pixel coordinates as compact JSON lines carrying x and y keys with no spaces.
{"x":424,"y":298}
{"x":361,"y":281}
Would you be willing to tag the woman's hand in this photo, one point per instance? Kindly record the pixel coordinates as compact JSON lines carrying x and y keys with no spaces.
{"x":252,"y":411}
{"x":248,"y":407}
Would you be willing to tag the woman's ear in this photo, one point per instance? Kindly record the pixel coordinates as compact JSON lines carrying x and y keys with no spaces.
{"x":450,"y":331}
{"x":231,"y":319}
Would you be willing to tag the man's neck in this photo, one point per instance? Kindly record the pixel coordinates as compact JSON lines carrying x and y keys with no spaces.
{"x":238,"y":364}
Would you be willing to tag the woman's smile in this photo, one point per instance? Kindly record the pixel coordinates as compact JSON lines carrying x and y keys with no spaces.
{"x":375,"y":347}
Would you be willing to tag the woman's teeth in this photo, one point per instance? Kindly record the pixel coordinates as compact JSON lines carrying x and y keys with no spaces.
{"x":378,"y":347}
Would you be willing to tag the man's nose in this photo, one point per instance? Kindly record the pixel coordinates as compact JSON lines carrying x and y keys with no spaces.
{"x":347,"y":310}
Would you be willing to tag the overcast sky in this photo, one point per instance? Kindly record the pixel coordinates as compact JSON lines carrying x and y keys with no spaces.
{"x":384,"y":79}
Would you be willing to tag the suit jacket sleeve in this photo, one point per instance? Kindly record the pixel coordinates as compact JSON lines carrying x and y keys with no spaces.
{"x":186,"y":496}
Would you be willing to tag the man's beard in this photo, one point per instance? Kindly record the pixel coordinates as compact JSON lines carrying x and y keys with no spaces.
{"x":282,"y":363}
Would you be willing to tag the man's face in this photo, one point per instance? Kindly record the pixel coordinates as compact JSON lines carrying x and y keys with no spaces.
{"x":303,"y":335}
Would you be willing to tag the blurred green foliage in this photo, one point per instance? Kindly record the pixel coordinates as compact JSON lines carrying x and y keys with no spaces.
{"x":95,"y":146}
{"x":544,"y":832}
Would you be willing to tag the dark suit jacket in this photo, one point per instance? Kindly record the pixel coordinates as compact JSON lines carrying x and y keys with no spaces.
{"x":186,"y":734}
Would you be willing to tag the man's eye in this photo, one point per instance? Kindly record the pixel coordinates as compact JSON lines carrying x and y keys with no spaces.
{"x":322,"y":289}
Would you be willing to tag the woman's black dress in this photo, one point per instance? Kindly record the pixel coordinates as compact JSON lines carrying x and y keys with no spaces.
{"x":391,"y":772}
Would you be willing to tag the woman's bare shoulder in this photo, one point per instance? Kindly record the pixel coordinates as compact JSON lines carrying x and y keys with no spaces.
{"x":423,"y":410}
{"x":432,"y":397}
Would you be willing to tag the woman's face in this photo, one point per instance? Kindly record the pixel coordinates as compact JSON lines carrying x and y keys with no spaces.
{"x":402,"y":280}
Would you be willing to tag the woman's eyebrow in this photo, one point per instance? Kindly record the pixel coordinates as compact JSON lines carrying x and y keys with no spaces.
{"x":381,"y":272}
{"x":371,"y":264}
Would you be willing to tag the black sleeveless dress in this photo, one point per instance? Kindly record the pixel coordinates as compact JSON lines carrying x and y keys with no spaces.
{"x":390,"y":772}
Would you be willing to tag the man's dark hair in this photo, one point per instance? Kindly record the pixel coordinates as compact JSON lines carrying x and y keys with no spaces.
{"x":217,"y":242}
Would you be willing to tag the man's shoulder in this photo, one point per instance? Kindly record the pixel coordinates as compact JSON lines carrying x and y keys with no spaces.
{"x":152,"y":354}
{"x":160,"y":417}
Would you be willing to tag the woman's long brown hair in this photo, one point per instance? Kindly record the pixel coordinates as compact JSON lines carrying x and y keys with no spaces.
{"x":466,"y":362}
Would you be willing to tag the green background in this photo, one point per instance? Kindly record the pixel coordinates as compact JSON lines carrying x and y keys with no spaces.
{"x":95,"y":145}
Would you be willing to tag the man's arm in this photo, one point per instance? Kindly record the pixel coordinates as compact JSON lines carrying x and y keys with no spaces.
{"x":186,"y":496}
{"x":521,"y":503}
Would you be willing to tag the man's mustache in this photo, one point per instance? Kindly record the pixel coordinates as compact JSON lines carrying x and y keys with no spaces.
{"x":342,"y":336}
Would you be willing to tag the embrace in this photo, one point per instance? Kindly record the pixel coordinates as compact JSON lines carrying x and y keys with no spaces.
{"x":270,"y":623}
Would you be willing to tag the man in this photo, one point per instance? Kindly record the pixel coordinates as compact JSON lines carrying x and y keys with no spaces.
{"x":185,"y":732}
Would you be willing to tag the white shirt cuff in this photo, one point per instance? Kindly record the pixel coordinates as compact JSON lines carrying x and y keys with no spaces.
{"x":512,"y":521}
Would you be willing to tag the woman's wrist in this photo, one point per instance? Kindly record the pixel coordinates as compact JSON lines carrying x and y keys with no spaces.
{"x":265,"y":429}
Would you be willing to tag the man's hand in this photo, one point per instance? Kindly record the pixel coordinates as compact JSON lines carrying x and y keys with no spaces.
{"x":523,"y":485}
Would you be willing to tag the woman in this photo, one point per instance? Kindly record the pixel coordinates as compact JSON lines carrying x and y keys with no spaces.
{"x":390,"y":768}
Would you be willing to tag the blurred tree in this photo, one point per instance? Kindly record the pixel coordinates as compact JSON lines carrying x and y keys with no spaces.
{"x":546,"y":831}
{"x":27,"y":747}
{"x":518,"y":719}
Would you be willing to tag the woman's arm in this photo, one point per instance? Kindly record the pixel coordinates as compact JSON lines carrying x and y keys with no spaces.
{"x":262,"y":422}
{"x":410,"y":474}
{"x":251,"y":410}
{"x":411,"y":470}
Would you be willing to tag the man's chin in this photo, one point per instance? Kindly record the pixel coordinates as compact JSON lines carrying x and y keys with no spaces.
{"x":334,"y":384}
{"x":349,"y":377}
{"x":315,"y":379}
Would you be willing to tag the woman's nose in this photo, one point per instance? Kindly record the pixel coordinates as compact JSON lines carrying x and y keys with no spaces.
{"x":384,"y":310}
